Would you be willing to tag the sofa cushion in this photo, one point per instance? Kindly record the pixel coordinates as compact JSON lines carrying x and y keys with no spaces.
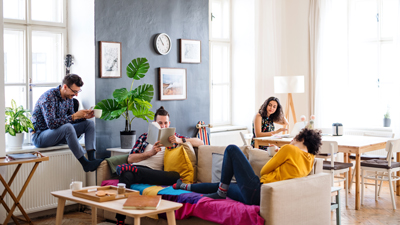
{"x":178,"y":160}
{"x":380,"y":164}
{"x":258,"y":158}
{"x":156,"y":162}
{"x":217,"y":160}
{"x":204,"y":162}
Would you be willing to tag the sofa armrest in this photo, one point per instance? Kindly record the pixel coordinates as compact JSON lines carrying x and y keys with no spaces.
{"x":103,"y":172}
{"x":298,"y":201}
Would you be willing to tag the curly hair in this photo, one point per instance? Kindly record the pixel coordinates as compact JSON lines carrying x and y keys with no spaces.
{"x":311,"y":139}
{"x":71,"y":79}
{"x":160,"y":112}
{"x":277,"y":116}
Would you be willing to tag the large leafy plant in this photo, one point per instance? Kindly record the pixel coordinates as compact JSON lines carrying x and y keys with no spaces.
{"x":136,"y":101}
{"x":17,"y":119}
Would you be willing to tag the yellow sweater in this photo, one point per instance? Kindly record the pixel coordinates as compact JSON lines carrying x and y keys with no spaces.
{"x":289,"y":162}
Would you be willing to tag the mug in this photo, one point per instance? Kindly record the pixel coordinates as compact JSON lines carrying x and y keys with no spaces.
{"x":97,"y":113}
{"x":75,"y":185}
{"x":271,"y":150}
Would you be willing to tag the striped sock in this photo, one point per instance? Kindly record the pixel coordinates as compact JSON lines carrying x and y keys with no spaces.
{"x":124,"y":168}
{"x":180,"y":185}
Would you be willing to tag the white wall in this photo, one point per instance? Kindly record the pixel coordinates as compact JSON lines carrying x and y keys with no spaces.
{"x":81,"y":44}
{"x":2,"y":96}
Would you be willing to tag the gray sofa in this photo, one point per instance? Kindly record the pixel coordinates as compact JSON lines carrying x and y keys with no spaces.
{"x":297,"y":201}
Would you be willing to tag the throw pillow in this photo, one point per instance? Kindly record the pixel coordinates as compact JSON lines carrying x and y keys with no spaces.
{"x":156,"y":162}
{"x":216,"y":169}
{"x":258,"y":158}
{"x":193,"y":159}
{"x":178,"y":160}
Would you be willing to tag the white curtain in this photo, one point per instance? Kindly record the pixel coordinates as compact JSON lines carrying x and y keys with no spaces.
{"x":345,"y":89}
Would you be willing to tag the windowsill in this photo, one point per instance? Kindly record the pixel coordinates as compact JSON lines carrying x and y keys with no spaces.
{"x":31,"y":148}
{"x":226,"y":128}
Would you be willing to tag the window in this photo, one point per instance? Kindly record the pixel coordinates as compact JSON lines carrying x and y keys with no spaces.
{"x":360,"y":71}
{"x":220,"y":62}
{"x":34,"y":46}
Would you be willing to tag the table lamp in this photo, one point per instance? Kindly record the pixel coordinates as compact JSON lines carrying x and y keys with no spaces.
{"x":289,"y":85}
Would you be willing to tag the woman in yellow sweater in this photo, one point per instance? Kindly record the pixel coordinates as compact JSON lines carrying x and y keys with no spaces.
{"x":291,"y":161}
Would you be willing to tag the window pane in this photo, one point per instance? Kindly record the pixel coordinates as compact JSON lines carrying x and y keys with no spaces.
{"x":388,"y":18}
{"x":220,"y":104}
{"x":364,"y":21}
{"x":18,"y":93}
{"x":220,"y":63}
{"x":14,"y":59}
{"x":47,"y":54}
{"x":363,"y":61}
{"x":389,"y":69}
{"x":47,"y":10}
{"x":220,"y":19}
{"x":14,"y":9}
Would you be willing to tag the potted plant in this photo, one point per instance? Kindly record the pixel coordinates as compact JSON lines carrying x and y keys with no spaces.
{"x":136,"y":101}
{"x":386,"y":119}
{"x":17,"y":122}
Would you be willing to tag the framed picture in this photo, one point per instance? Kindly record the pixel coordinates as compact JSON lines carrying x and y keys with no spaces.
{"x":173,"y":84}
{"x":190,"y":51}
{"x":110,"y":59}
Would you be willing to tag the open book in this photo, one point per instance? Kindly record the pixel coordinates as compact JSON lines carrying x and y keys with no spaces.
{"x":142,"y":202}
{"x":156,"y":133}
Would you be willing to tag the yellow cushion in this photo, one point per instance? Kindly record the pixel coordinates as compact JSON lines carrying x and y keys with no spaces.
{"x":178,"y":160}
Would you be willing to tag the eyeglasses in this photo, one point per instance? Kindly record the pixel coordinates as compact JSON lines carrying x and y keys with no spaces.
{"x":75,"y":92}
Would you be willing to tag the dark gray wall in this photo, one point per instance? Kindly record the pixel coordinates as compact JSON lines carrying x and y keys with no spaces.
{"x":135,"y":23}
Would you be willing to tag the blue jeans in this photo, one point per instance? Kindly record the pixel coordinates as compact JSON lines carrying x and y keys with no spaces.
{"x":68,"y":133}
{"x":247,"y":188}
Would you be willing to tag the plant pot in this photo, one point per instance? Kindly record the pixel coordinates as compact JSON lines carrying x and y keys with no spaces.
{"x":386,"y":122}
{"x":15,"y":141}
{"x":128,"y":139}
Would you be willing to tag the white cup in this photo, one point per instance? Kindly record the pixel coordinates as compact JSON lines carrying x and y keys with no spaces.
{"x":97,"y":113}
{"x":75,"y":185}
{"x":271,"y":150}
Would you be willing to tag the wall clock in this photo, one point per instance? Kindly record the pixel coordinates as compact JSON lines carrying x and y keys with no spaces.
{"x":162,"y":43}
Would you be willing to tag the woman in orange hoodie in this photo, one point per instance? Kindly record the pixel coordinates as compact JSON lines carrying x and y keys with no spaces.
{"x":291,"y":161}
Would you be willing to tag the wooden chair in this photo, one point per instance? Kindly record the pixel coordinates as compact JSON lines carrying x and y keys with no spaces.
{"x":332,"y":167}
{"x":246,"y":138}
{"x":365,"y":157}
{"x":385,"y":170}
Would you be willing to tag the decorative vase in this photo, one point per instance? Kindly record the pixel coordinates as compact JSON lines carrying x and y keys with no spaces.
{"x":15,"y":141}
{"x":128,"y":139}
{"x":386,"y":122}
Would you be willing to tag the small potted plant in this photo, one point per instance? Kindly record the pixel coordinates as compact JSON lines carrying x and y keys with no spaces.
{"x":136,"y":101}
{"x":17,"y":122}
{"x":386,"y":119}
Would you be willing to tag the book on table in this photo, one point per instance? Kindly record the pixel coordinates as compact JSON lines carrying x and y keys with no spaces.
{"x":142,"y":202}
{"x":22,"y":156}
{"x":156,"y":133}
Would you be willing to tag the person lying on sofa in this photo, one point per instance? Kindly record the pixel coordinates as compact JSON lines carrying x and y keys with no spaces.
{"x":294,"y":160}
{"x":137,"y":172}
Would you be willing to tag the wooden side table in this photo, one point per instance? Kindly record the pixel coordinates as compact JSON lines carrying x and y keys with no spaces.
{"x":10,"y":211}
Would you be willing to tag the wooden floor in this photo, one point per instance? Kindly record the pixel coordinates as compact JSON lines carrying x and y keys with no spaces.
{"x":371,"y":213}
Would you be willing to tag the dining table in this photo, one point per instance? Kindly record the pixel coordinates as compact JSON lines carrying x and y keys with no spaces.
{"x":347,"y":144}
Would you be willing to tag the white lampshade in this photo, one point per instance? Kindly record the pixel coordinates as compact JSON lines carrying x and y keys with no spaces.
{"x":288,"y":84}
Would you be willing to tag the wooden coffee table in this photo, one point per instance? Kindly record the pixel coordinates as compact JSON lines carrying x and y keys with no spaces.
{"x":114,"y":206}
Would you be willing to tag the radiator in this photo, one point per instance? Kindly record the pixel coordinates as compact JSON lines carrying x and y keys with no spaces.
{"x":224,"y":138}
{"x":53,"y":175}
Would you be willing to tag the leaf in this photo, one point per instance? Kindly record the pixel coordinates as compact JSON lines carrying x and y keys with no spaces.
{"x":108,"y":106}
{"x":13,"y":104}
{"x":11,"y":131}
{"x":137,"y":68}
{"x":144,"y":92}
{"x":140,"y":102}
{"x":121,"y":95}
{"x":143,"y":113}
